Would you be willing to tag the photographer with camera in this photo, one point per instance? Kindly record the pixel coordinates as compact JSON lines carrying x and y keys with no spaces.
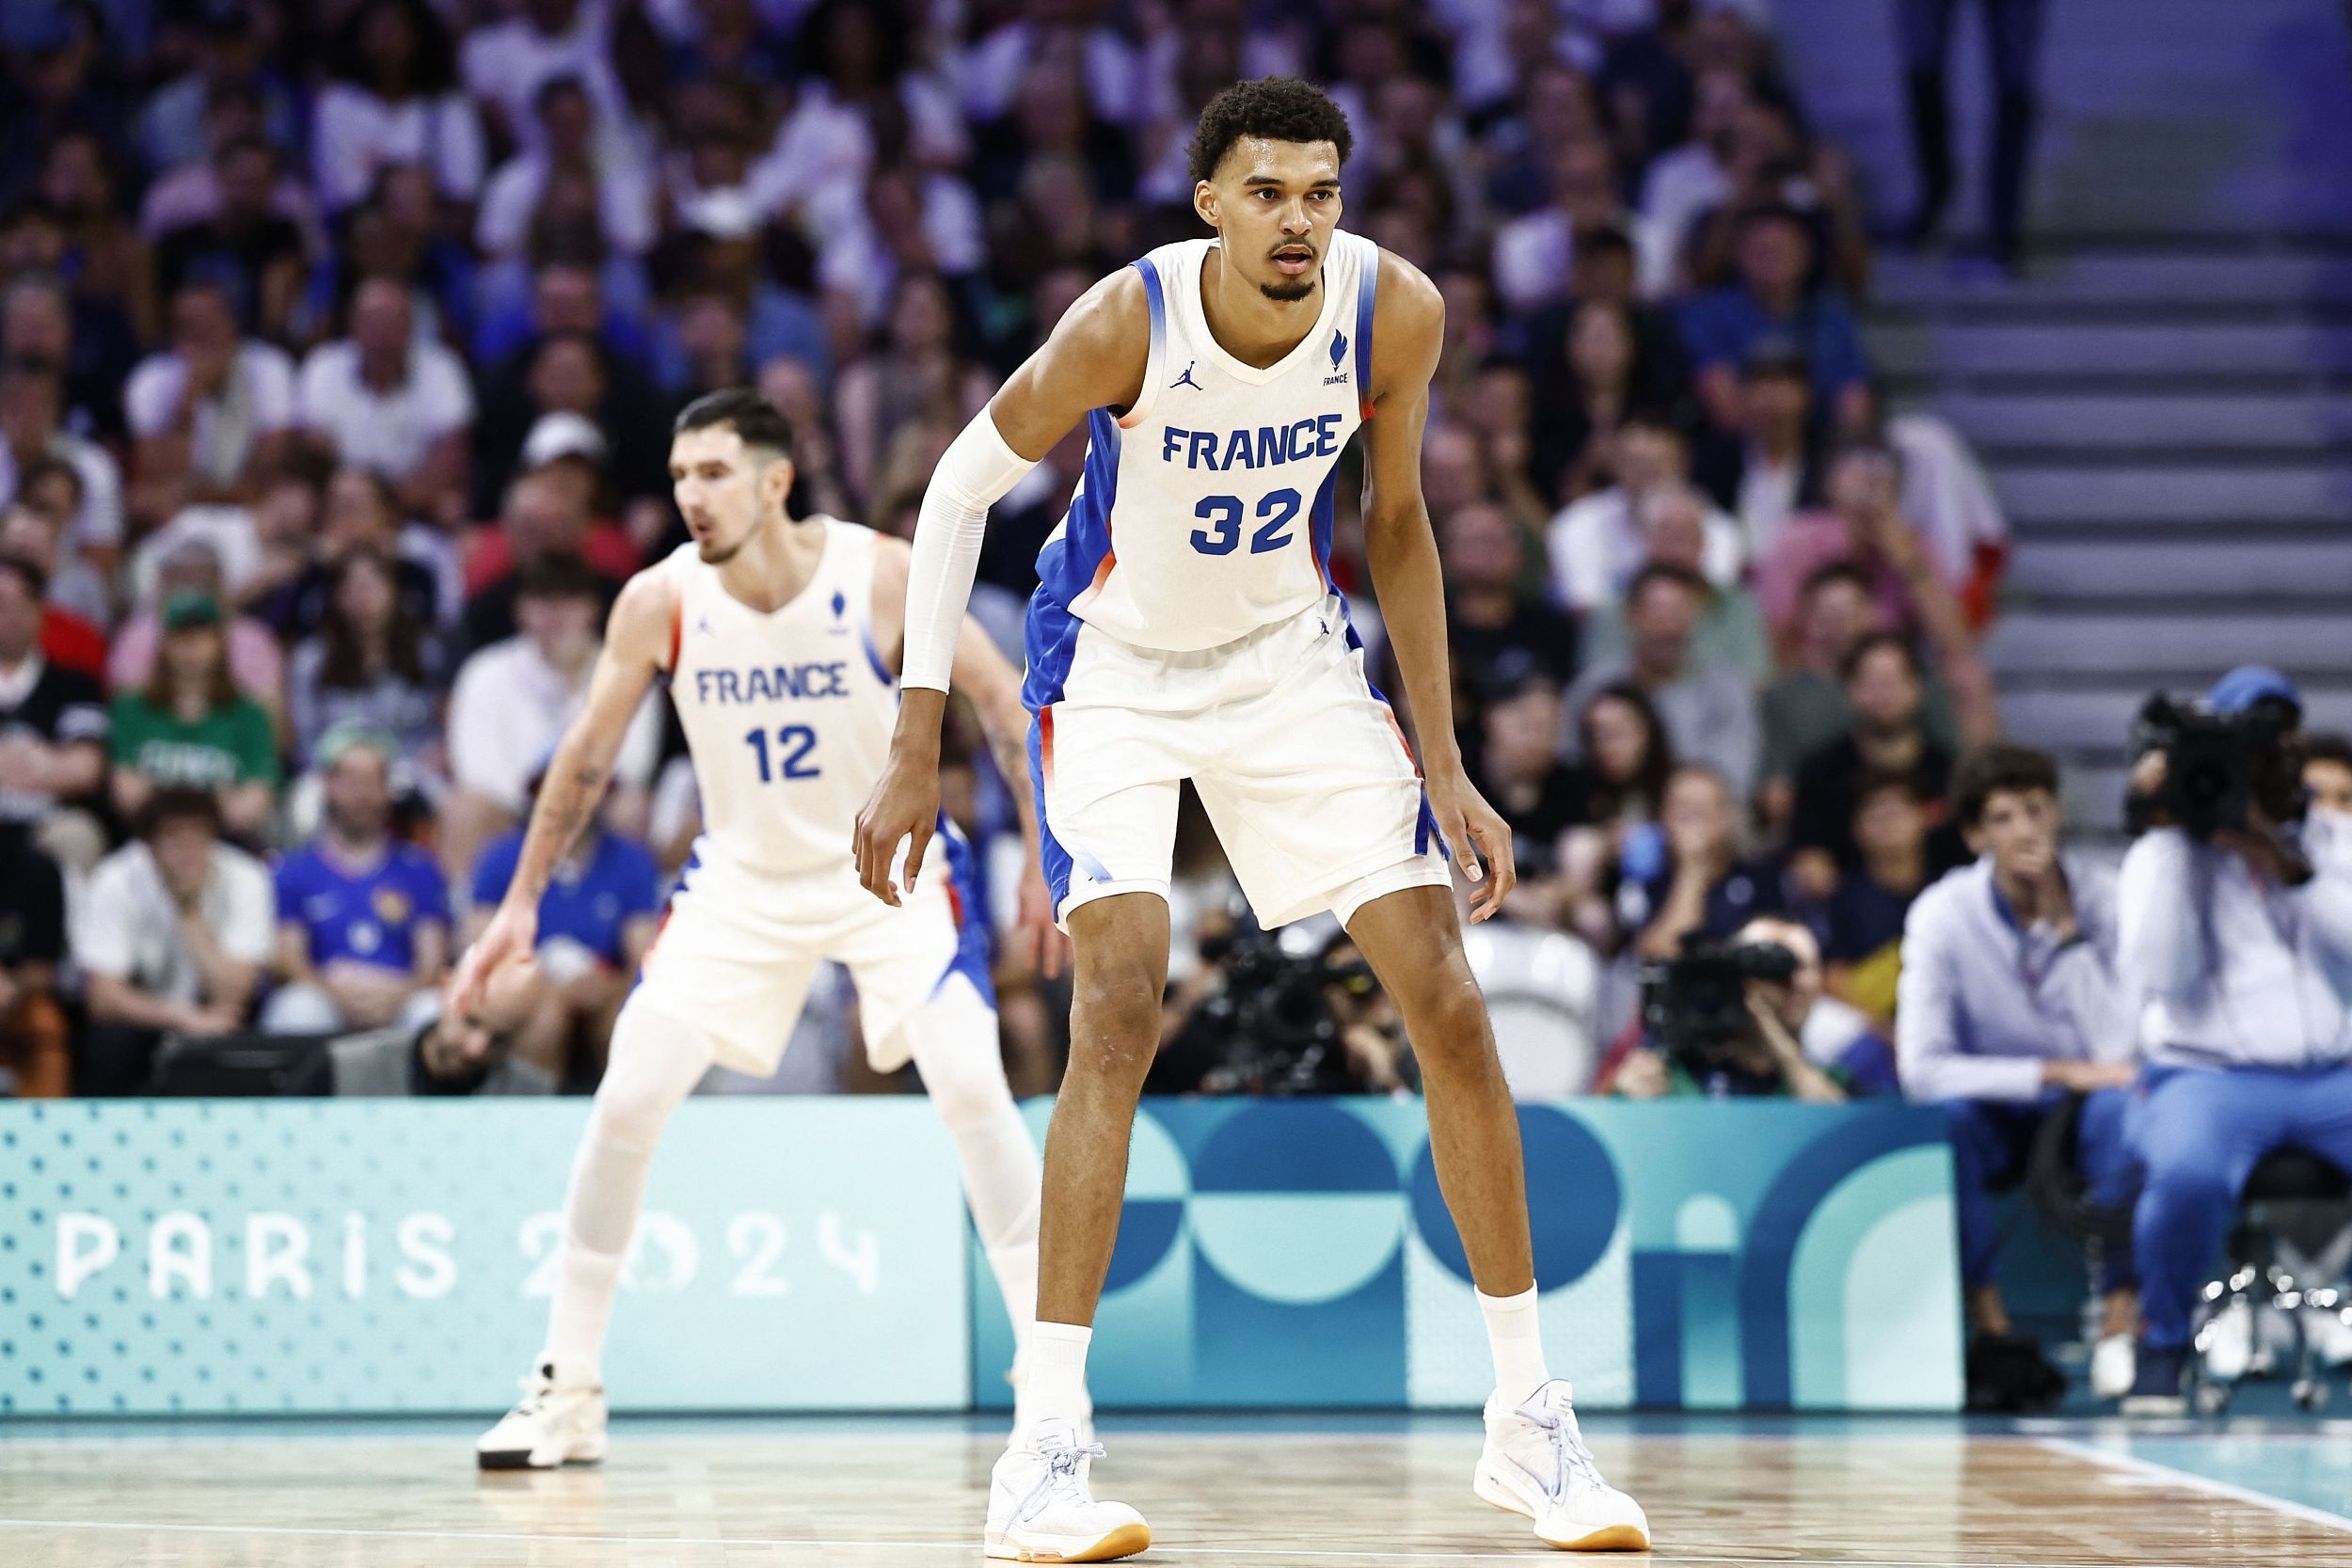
{"x":1262,"y":1020}
{"x":2008,"y":1005}
{"x":1728,"y":1021}
{"x":2235,"y":940}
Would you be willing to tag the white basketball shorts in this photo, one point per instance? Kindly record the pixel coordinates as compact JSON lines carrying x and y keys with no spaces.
{"x":737,"y":953}
{"x":1296,"y":757}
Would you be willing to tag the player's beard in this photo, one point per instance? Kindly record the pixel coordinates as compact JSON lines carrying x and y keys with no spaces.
{"x":1288,"y":292}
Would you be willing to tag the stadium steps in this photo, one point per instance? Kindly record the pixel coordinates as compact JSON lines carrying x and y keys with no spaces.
{"x":2170,"y":428}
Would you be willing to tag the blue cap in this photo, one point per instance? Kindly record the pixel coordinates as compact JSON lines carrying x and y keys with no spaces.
{"x":2249,"y":683}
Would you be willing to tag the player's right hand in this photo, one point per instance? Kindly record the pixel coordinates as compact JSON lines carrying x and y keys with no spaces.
{"x":513,"y":932}
{"x":904,"y":808}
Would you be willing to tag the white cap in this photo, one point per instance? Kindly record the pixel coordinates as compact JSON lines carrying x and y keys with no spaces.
{"x":563,"y":434}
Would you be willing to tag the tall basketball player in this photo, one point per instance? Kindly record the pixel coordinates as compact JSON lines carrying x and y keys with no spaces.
{"x":1185,"y":626}
{"x":778,"y":635}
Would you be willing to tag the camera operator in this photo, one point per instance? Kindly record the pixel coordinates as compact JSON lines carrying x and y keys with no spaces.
{"x":2009,"y":1004}
{"x":1259,"y":1019}
{"x":2235,"y":936}
{"x":1728,"y":1022}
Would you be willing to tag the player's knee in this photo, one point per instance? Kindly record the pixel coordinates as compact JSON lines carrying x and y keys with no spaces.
{"x":1445,"y":1017}
{"x":1114,"y":1021}
{"x":964,"y":1076}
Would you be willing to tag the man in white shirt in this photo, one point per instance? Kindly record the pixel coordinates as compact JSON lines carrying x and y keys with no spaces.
{"x":511,"y":701}
{"x":211,"y":411}
{"x":505,"y":64}
{"x":568,"y":140}
{"x":390,"y":402}
{"x":1709,"y":710}
{"x":171,"y":937}
{"x":1596,"y":544}
{"x":2008,"y":1004}
{"x":2239,"y":953}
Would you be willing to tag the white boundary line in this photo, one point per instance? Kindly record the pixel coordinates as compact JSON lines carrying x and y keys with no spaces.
{"x":2158,"y":1471}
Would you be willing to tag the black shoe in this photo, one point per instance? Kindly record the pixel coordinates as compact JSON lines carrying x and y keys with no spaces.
{"x":2156,"y":1391}
{"x":2009,"y":1375}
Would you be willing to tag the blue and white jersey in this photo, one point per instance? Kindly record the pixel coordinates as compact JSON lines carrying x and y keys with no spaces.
{"x":787,"y":715}
{"x":1205,"y":511}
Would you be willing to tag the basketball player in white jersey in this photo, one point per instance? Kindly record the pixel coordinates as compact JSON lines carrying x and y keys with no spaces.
{"x":1185,"y":628}
{"x":777,"y":635}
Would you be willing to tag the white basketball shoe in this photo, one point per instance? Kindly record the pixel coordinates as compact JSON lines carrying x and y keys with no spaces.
{"x":556,"y":1423}
{"x":1041,"y":1511}
{"x":1536,"y":1464}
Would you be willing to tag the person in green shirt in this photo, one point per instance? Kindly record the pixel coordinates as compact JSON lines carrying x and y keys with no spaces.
{"x":190,"y":727}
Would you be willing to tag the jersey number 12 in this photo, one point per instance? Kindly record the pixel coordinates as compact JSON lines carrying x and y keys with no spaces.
{"x":793,"y":744}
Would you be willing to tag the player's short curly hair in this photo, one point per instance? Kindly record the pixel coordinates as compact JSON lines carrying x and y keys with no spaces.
{"x":1276,"y":108}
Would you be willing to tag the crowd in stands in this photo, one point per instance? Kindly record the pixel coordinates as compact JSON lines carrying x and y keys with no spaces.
{"x":340,"y":340}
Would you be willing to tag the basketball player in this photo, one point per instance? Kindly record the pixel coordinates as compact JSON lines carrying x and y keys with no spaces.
{"x":1185,"y":626}
{"x":777,"y":633}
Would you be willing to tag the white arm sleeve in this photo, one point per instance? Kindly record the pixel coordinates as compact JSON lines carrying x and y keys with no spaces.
{"x":976,"y":471}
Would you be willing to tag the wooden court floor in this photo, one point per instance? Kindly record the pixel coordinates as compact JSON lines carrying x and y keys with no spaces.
{"x":894,"y":1494}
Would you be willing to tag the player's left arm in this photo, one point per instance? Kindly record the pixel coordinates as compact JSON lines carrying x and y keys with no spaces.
{"x":1407,"y":335}
{"x":994,"y":688}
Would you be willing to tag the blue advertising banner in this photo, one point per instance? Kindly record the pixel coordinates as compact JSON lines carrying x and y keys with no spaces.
{"x":202,"y":1256}
{"x":1696,"y":1255}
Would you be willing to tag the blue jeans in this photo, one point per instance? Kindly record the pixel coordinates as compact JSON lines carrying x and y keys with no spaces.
{"x":1991,"y":1141}
{"x":2012,"y":35}
{"x":2199,"y":1135}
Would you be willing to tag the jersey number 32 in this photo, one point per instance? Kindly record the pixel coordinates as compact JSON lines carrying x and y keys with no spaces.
{"x":1223,"y":513}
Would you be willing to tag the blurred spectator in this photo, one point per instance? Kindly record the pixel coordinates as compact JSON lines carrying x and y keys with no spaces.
{"x":189,"y":192}
{"x":1628,"y":758}
{"x":511,"y":701}
{"x":2009,"y":1004}
{"x":53,"y":719}
{"x":568,"y":382}
{"x":363,"y":919}
{"x":449,"y":1055}
{"x":563,"y":294}
{"x":1774,"y":164}
{"x":387,"y":402}
{"x":1493,"y":630}
{"x":1705,"y":886}
{"x":1729,"y":632}
{"x":71,"y":637}
{"x":230,"y":58}
{"x":90,"y":340}
{"x":1538,"y":797}
{"x":362,"y":512}
{"x":1769,"y":468}
{"x":1865,"y":917}
{"x":1578,"y":415}
{"x":105,"y":258}
{"x":1865,"y":527}
{"x":32,"y":405}
{"x":369,"y":664}
{"x":1766,"y":1061}
{"x":1709,"y":710}
{"x":1775,"y":296}
{"x":399,"y":234}
{"x":393,"y":99}
{"x":1533,"y":253}
{"x":256,"y":663}
{"x":56,"y":87}
{"x":1889,"y":737}
{"x":246,"y":246}
{"x":171,"y":938}
{"x":597,"y":919}
{"x":546,"y":517}
{"x":1685,"y":183}
{"x":568,"y":146}
{"x":2327,"y":774}
{"x":190,"y":728}
{"x":914,"y":373}
{"x":1596,"y":543}
{"x":1949,"y":498}
{"x":2012,"y":48}
{"x":35,"y":1048}
{"x":211,"y":414}
{"x":1806,"y":709}
{"x":505,"y":63}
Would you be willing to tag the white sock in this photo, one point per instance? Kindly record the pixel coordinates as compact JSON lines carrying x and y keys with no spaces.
{"x":1056,"y":1389}
{"x":585,"y":1284}
{"x":1517,"y":1342}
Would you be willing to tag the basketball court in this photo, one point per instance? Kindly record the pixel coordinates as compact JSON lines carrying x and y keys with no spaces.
{"x":1335,"y":1492}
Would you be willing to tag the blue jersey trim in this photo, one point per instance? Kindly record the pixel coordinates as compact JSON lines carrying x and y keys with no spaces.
{"x":1053,"y":859}
{"x":1157,"y":301}
{"x":972,"y":937}
{"x":1367,"y":285}
{"x":873,"y":655}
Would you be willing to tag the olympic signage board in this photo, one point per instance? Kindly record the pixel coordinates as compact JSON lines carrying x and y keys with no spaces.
{"x":222,"y":1256}
{"x":1692,"y":1255}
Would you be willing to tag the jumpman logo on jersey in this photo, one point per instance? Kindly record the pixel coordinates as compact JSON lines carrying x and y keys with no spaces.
{"x":1186,"y":380}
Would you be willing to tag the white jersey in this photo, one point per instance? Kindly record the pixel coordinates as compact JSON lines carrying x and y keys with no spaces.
{"x":1205,"y":511}
{"x":787,"y":715}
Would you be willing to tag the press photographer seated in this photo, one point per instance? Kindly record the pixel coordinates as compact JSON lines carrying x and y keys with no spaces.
{"x":1262,"y":1019}
{"x":1728,"y":1022}
{"x":2235,"y":927}
{"x":2008,"y":1005}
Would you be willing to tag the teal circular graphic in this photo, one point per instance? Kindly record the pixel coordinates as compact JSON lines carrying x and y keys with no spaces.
{"x":1153,"y":1215}
{"x":1574,"y":1196}
{"x":1296,"y":1203}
